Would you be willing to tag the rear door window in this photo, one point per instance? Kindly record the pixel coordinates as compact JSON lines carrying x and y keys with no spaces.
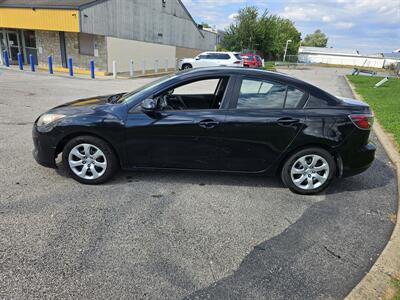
{"x":223,"y":56}
{"x":261,"y":94}
{"x":293,"y":97}
{"x":213,"y":56}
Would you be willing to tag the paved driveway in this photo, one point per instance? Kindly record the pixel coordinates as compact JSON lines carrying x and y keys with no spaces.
{"x":170,"y":235}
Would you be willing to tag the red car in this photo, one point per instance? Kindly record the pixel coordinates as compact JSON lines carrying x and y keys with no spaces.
{"x":251,"y":60}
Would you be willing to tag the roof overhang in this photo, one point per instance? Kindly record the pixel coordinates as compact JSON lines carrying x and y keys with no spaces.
{"x":51,"y":4}
{"x":40,"y":19}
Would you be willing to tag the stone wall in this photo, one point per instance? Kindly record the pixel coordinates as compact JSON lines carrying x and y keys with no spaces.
{"x":48,"y":43}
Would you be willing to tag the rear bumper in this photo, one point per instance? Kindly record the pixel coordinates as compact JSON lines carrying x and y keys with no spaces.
{"x":247,"y":65}
{"x":44,"y":150}
{"x":359,"y":161}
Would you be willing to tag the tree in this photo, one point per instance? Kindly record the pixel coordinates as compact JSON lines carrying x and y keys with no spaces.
{"x":243,"y":33}
{"x":266,"y":33}
{"x":275,"y":33}
{"x":316,"y":39}
{"x":205,"y":25}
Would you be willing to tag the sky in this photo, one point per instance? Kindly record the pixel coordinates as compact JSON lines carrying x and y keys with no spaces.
{"x":370,"y":26}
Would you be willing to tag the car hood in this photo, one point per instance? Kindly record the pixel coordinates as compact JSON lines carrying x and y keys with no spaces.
{"x":187,"y":60}
{"x":86,"y":105}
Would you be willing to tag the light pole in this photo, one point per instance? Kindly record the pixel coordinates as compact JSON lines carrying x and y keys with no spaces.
{"x":287,"y":43}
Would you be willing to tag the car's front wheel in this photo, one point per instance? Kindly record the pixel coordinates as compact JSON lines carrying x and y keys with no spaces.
{"x":309,"y":171}
{"x":89,"y":160}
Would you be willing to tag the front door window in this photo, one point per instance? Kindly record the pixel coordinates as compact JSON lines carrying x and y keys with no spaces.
{"x":201,"y":94}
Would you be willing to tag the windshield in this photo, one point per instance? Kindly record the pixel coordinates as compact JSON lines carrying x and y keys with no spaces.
{"x":143,"y":89}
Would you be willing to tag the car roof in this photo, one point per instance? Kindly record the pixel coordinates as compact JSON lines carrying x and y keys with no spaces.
{"x":277,"y":76}
{"x":220,"y":52}
{"x":237,"y":71}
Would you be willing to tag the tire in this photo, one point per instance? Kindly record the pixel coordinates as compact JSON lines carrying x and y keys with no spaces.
{"x":93,"y":154}
{"x":308,"y":171}
{"x":186,"y":66}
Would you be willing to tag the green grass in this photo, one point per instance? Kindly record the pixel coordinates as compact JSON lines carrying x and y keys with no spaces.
{"x":396,"y":284}
{"x":384,"y":101}
{"x":269,"y":66}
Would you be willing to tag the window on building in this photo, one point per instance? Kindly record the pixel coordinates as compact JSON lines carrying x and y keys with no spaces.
{"x":261,"y":94}
{"x":30,"y":39}
{"x":86,"y":44}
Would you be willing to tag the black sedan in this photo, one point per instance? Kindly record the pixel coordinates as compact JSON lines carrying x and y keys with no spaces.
{"x":212,"y":119}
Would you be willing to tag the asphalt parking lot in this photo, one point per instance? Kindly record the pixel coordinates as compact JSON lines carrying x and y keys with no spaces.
{"x":173,"y":235}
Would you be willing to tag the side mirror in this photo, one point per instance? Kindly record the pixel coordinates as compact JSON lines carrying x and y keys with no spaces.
{"x":197,"y":58}
{"x":149,"y":105}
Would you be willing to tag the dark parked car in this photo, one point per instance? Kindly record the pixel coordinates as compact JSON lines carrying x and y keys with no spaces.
{"x":214,"y":119}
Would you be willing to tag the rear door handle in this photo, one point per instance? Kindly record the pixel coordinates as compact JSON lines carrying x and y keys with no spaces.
{"x":287,"y":121}
{"x":208,"y":124}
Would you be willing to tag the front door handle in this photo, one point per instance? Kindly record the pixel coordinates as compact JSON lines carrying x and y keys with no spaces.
{"x":208,"y":124}
{"x":287,"y":121}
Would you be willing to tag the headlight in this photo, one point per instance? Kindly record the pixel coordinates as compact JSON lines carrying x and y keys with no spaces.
{"x":45,"y":121}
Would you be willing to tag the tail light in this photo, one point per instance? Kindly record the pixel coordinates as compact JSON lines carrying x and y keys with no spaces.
{"x":238,"y":62}
{"x":362,"y":121}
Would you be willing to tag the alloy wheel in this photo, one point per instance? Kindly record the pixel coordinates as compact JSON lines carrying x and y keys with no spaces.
{"x":309,"y":172}
{"x":87,"y":161}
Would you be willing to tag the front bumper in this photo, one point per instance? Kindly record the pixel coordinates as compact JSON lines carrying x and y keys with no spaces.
{"x":44,"y":150}
{"x":360,"y":161}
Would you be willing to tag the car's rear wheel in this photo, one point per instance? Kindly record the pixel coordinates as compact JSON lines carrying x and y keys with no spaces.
{"x":89,"y":160}
{"x":186,"y":66}
{"x":309,"y":171}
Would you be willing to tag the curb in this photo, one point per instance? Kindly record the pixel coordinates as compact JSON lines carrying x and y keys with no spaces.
{"x":80,"y":72}
{"x":377,"y":283}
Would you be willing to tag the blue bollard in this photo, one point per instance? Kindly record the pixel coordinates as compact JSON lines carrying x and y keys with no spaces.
{"x":50,"y":63}
{"x":6,"y":60}
{"x":32,"y":63}
{"x":91,"y":67}
{"x":20,"y":64}
{"x":71,"y":70}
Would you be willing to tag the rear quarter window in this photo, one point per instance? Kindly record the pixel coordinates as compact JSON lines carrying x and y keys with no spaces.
{"x":318,"y":102}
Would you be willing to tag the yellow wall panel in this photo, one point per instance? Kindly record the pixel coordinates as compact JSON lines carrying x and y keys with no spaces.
{"x":41,"y":19}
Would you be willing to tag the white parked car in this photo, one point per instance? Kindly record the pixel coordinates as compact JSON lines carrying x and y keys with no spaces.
{"x":212,"y":59}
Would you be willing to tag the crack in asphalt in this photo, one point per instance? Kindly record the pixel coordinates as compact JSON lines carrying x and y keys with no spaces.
{"x":332,"y":252}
